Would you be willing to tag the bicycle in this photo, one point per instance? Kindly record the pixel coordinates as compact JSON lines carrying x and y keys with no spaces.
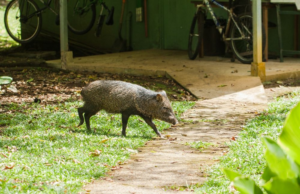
{"x":237,"y":34}
{"x":83,"y":16}
{"x":23,"y":19}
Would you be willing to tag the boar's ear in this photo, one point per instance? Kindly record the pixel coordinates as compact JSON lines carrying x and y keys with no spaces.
{"x":164,"y":92}
{"x":159,"y":97}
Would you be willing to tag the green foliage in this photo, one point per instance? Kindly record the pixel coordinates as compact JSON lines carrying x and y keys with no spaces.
{"x":243,"y":184}
{"x":5,"y":80}
{"x":246,"y":186}
{"x":5,"y":40}
{"x":289,"y":138}
{"x":231,"y":174}
{"x":282,"y":171}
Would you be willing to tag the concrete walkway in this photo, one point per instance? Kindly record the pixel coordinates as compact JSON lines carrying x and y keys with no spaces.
{"x":229,"y":96}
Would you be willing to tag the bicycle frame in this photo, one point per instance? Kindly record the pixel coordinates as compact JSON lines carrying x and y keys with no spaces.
{"x":206,"y":3}
{"x":47,"y":5}
{"x":84,"y":5}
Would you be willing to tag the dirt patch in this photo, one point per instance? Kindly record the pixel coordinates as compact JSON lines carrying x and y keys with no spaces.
{"x":280,"y":83}
{"x":49,"y":85}
{"x":281,"y":88}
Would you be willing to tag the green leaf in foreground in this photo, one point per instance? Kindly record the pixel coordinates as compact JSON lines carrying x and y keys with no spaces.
{"x":246,"y":186}
{"x":268,"y":174}
{"x":289,"y":139}
{"x":278,"y":162}
{"x":231,"y":174}
{"x":243,"y":184}
{"x":280,"y":186}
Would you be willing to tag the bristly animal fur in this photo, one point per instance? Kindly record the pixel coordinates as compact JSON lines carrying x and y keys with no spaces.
{"x":127,"y":99}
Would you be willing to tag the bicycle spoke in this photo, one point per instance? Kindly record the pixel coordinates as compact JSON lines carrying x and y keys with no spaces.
{"x":242,"y":45}
{"x":241,"y":39}
{"x":81,"y":16}
{"x":195,"y":35}
{"x":247,"y":30}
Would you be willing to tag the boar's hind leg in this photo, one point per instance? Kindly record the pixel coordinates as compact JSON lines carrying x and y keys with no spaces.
{"x":151,"y":124}
{"x":87,"y":117}
{"x":125,"y":118}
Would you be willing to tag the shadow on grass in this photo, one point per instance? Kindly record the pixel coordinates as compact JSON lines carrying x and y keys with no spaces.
{"x":107,"y":133}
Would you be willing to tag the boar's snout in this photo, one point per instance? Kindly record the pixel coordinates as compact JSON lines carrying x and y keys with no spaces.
{"x":175,"y":121}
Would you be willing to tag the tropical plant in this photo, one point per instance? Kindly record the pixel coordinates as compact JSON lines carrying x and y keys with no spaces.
{"x":281,"y":175}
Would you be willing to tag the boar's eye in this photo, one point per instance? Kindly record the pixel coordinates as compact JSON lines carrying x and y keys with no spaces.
{"x":165,"y":108}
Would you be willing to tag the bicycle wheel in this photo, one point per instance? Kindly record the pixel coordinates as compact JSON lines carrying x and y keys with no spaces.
{"x":243,"y":48}
{"x":196,"y":34}
{"x":81,"y":17}
{"x":21,"y":22}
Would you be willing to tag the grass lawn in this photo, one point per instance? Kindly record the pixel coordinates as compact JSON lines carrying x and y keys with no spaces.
{"x":42,"y":151}
{"x":246,"y":153}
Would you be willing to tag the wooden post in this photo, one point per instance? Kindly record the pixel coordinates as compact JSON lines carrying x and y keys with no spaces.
{"x":257,"y":67}
{"x":66,"y":55}
{"x":265,"y":23}
{"x":296,"y":34}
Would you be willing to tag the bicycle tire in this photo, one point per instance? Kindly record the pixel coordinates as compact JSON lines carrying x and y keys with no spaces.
{"x":19,"y":27}
{"x":81,"y":21}
{"x":243,"y":49}
{"x":196,"y":34}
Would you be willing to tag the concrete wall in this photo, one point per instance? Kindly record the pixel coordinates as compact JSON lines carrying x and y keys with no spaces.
{"x":110,"y":33}
{"x":288,"y":31}
{"x":168,"y":25}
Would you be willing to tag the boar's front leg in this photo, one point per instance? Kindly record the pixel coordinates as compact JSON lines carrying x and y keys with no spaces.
{"x":148,"y":120}
{"x":125,"y":117}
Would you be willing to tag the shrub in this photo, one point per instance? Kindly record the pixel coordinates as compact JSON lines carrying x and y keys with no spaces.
{"x":281,"y":175}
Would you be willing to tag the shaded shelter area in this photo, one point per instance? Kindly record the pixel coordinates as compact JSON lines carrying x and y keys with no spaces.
{"x":258,"y":67}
